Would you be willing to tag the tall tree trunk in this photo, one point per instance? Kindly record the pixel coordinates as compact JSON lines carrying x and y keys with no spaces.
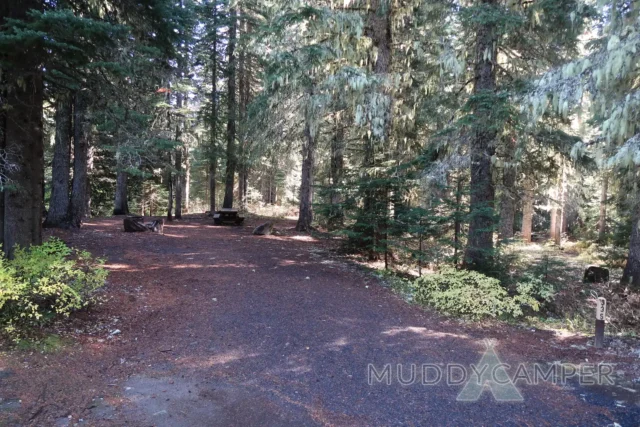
{"x":481,"y":226}
{"x":87,"y":199}
{"x":245,"y":184}
{"x":602,"y":223}
{"x":527,"y":211}
{"x":631,"y":274}
{"x":170,"y":179}
{"x":178,"y":183}
{"x":3,"y":134}
{"x":121,"y":205}
{"x":178,"y":158}
{"x":305,"y":215}
{"x":213,"y":149}
{"x":231,"y":113}
{"x":375,"y":209}
{"x":273,"y":192}
{"x":244,"y":91}
{"x":58,"y":214}
{"x":557,"y":211}
{"x":242,"y":109}
{"x":553,"y":196}
{"x":563,"y":205}
{"x":212,"y":186}
{"x":81,"y":133}
{"x":458,"y":217}
{"x":508,"y":196}
{"x":558,"y":233}
{"x":336,"y":216}
{"x":553,"y":227}
{"x":186,"y":181}
{"x":22,"y":204}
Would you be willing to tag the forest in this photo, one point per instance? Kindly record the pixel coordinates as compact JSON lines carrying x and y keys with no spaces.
{"x":424,"y":134}
{"x":476,"y":155}
{"x":388,"y":123}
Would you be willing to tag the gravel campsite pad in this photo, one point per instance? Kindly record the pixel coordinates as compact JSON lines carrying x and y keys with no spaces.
{"x":209,"y":325}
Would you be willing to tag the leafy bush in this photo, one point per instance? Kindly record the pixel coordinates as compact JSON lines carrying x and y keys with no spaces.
{"x":536,"y":286}
{"x":471,"y":294}
{"x":46,"y":281}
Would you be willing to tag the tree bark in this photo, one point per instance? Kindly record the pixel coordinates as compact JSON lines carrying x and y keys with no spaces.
{"x":244,"y":91}
{"x":558,"y":233}
{"x":121,"y":205}
{"x":58,"y":213}
{"x":527,"y":212}
{"x":379,"y":29}
{"x":553,"y":195}
{"x":178,"y":183}
{"x":602,"y":223}
{"x":242,"y":111}
{"x":186,"y":181}
{"x":458,"y":217}
{"x":81,"y":133}
{"x":23,"y":204}
{"x":23,"y":146}
{"x":553,"y":228}
{"x":336,"y":215}
{"x":231,"y":113}
{"x":557,"y":212}
{"x":508,"y":196}
{"x":631,"y":274}
{"x":375,"y":209}
{"x":212,"y":186}
{"x":479,"y":250}
{"x":562,"y":220}
{"x":213,"y":149}
{"x":305,"y":215}
{"x":170,"y":196}
{"x":87,"y":199}
{"x":3,"y":136}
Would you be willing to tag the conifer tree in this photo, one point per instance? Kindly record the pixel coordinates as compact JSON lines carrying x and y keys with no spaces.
{"x":21,"y":144}
{"x":608,"y":76}
{"x":231,"y":110}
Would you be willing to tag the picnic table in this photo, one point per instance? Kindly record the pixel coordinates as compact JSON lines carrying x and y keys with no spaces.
{"x":227,"y":216}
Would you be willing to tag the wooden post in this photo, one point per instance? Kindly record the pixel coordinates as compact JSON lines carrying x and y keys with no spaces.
{"x":601,"y":310}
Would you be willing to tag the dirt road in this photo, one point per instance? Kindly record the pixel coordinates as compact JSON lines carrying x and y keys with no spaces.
{"x":212,"y":326}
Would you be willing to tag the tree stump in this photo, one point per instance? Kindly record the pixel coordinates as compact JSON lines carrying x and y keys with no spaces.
{"x":596,"y":274}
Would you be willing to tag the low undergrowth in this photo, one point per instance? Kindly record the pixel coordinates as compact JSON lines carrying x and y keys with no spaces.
{"x":533,"y":284}
{"x":467,"y":294}
{"x":45,"y":282}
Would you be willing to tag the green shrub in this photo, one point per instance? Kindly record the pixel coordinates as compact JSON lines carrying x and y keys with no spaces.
{"x":46,"y":281}
{"x":471,"y":294}
{"x":536,"y":286}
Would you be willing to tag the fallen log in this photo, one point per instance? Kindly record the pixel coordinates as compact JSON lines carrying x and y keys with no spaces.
{"x":134,"y":224}
{"x":157,"y":226}
{"x":264,"y":229}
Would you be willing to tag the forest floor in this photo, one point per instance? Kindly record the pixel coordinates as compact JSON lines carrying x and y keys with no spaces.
{"x":213,"y":326}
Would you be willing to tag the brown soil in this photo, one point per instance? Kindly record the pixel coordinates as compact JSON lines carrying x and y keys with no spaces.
{"x":210,"y":325}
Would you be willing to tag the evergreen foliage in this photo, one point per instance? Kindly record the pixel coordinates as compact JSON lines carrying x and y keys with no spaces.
{"x":425,"y":134}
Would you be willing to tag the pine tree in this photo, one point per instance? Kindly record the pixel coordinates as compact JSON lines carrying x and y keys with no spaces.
{"x":22,"y":144}
{"x":58,"y":213}
{"x":607,"y":74}
{"x":231,"y":111}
